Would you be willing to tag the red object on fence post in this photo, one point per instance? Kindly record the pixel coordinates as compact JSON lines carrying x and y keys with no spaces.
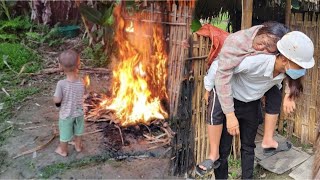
{"x":217,"y":37}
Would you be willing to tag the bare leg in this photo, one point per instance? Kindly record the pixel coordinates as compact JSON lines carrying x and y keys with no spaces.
{"x":78,"y":143}
{"x":214,"y":134}
{"x":62,"y":149}
{"x":269,"y":127}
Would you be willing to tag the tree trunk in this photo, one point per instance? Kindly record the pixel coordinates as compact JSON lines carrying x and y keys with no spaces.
{"x":51,"y":12}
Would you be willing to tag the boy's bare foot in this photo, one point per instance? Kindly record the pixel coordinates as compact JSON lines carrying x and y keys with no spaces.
{"x":78,"y":147}
{"x":60,"y":152}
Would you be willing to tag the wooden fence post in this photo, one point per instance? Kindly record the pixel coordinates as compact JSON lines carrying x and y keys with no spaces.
{"x":288,"y":12}
{"x":246,"y":20}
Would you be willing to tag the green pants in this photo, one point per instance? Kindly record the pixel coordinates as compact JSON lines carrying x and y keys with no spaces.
{"x":69,"y":127}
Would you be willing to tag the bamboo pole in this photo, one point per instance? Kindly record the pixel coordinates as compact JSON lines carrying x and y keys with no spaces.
{"x":199,"y":90}
{"x":246,"y":20}
{"x":288,"y":12}
{"x":204,"y":106}
{"x":194,"y":106}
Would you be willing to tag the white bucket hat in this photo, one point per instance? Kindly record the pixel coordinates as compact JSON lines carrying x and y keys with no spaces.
{"x":298,"y":48}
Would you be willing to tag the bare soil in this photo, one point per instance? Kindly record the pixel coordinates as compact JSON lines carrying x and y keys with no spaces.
{"x":103,"y":156}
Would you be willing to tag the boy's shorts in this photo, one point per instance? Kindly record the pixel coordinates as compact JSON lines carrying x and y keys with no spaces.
{"x":69,"y":127}
{"x":215,"y":115}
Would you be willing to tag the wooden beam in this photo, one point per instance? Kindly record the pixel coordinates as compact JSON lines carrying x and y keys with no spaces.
{"x":288,"y":12}
{"x":246,"y":20}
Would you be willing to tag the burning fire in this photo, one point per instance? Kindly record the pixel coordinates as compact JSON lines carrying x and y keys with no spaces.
{"x":86,"y":81}
{"x":139,"y":78}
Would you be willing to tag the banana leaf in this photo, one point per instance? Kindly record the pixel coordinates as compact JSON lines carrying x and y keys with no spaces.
{"x":195,"y":25}
{"x":107,"y":18}
{"x":91,"y":14}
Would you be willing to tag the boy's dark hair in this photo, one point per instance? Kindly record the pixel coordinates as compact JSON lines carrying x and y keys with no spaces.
{"x":69,"y":60}
{"x":273,"y":28}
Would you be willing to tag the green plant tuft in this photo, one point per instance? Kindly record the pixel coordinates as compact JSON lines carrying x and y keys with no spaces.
{"x":18,"y":56}
{"x":96,"y":55}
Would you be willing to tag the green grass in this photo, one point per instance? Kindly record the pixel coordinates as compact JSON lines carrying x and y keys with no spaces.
{"x":234,"y":166}
{"x":57,"y":168}
{"x":17,"y":57}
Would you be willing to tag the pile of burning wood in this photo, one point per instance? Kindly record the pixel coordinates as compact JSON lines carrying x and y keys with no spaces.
{"x":94,"y":112}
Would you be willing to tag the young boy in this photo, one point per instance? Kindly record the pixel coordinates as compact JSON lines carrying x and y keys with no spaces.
{"x":69,"y":93}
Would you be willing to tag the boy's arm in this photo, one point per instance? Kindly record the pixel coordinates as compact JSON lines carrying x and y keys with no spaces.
{"x":208,"y":79}
{"x":57,"y":97}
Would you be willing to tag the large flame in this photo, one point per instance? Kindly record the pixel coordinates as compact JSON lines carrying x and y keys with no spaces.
{"x":139,"y":78}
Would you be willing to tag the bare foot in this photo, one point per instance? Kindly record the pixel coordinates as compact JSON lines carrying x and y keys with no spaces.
{"x":60,"y":152}
{"x":71,"y":143}
{"x":78,"y":147}
{"x":271,"y":144}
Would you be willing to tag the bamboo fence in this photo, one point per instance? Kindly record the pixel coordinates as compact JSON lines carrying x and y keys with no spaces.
{"x":201,"y":48}
{"x":180,"y":86}
{"x":303,"y":124}
{"x":180,"y":18}
{"x":191,"y":141}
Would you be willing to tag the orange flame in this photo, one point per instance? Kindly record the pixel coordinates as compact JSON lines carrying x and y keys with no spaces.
{"x":139,"y":79}
{"x":86,"y":81}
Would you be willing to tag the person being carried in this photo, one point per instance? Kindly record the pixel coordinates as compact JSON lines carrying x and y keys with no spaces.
{"x":255,"y":40}
{"x":69,"y":97}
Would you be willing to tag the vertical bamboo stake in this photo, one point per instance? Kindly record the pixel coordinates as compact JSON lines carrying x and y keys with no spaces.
{"x":200,"y":99}
{"x":204,"y":107}
{"x":173,"y":66}
{"x":246,"y":20}
{"x":196,"y":115}
{"x":314,"y":77}
{"x":288,"y":12}
{"x":305,"y":119}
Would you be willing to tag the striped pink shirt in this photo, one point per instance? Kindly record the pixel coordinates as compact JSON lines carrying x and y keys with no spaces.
{"x":72,"y":98}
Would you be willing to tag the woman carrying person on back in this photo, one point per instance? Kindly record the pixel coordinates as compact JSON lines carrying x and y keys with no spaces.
{"x":252,"y":78}
{"x":259,"y":39}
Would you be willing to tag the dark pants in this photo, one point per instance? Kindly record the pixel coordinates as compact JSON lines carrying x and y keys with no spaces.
{"x":272,"y":103}
{"x":247,"y":114}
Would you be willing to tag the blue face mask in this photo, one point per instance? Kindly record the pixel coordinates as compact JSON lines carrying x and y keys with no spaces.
{"x":296,"y":73}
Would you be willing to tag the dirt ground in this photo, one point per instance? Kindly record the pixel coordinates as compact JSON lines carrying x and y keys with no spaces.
{"x":34,"y":122}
